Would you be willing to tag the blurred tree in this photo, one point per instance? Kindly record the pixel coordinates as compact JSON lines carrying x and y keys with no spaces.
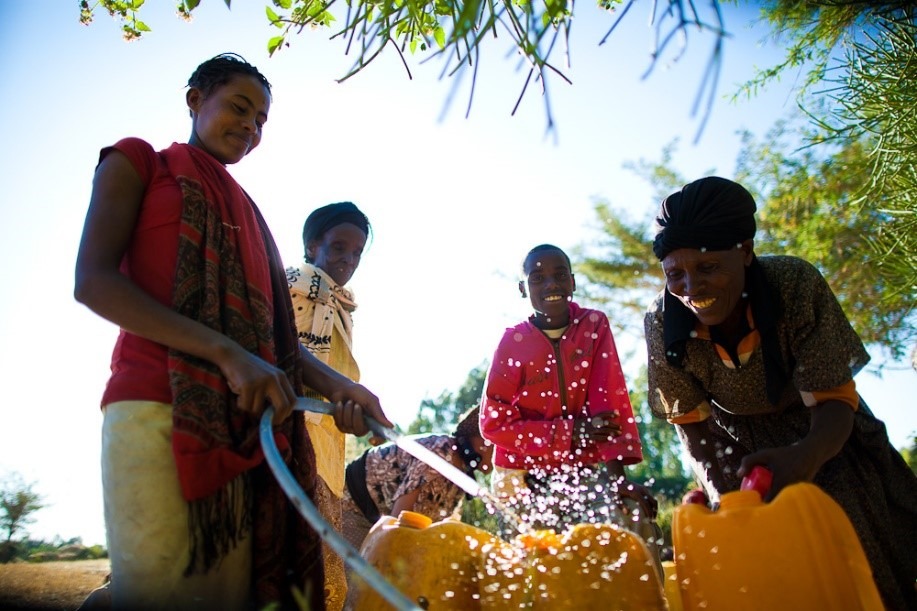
{"x":910,"y":454}
{"x":440,"y":415}
{"x":18,"y":503}
{"x":662,"y":468}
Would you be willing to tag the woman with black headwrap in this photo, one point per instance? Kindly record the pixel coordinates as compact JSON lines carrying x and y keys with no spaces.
{"x":753,"y":360}
{"x":333,"y":237}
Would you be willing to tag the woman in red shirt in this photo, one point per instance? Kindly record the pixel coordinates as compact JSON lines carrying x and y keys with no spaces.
{"x":178,"y":256}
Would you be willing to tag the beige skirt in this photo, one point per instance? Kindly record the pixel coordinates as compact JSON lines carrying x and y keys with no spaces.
{"x":146,"y":520}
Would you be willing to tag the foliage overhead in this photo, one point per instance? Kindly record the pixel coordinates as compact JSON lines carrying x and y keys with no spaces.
{"x":817,"y":31}
{"x":862,"y":56}
{"x":875,"y":105}
{"x":456,"y":31}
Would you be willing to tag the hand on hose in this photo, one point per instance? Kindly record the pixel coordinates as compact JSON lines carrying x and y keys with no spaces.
{"x":352,"y":403}
{"x":256,"y":383}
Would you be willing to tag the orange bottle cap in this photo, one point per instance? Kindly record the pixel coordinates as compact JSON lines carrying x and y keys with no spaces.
{"x":413,"y":519}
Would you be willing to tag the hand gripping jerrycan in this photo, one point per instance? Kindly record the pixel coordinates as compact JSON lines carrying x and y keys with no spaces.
{"x":434,"y":564}
{"x":589,"y":567}
{"x":798,"y":551}
{"x":450,"y":565}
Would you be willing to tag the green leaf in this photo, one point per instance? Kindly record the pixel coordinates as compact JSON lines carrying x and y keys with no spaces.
{"x":273,"y":44}
{"x":273,"y":17}
{"x":440,"y":36}
{"x":142,"y":27}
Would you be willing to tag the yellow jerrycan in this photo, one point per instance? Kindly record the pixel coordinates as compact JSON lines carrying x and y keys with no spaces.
{"x":798,"y":551}
{"x":670,"y":586}
{"x":434,"y":564}
{"x":589,"y":567}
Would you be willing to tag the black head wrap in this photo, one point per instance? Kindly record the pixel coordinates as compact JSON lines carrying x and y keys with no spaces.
{"x":717,"y":214}
{"x":322,"y":219}
{"x":712,"y":213}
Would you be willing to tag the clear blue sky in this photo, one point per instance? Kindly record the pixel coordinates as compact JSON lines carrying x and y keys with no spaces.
{"x":455,"y":204}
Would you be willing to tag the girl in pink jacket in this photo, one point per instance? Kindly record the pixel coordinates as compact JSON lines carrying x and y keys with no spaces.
{"x":557,"y":410}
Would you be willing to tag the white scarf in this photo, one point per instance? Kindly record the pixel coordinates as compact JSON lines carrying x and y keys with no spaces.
{"x":333,"y":307}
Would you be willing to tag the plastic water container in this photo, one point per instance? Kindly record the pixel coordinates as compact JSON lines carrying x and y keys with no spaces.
{"x":589,"y":567}
{"x":450,"y":565}
{"x":797,"y":552}
{"x":670,"y":585}
{"x":435,"y":564}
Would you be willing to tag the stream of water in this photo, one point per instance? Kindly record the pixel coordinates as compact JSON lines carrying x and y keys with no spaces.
{"x":443,"y":466}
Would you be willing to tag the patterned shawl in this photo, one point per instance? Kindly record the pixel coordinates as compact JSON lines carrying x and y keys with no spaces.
{"x":229,"y":277}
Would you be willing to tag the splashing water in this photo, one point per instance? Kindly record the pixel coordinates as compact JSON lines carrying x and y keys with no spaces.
{"x":444,"y":467}
{"x":457,"y":477}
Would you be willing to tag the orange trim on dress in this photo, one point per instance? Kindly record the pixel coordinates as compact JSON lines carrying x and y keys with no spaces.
{"x":699,"y":414}
{"x":845,"y":392}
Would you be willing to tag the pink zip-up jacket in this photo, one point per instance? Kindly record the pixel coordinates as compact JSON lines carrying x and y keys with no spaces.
{"x":536,"y":385}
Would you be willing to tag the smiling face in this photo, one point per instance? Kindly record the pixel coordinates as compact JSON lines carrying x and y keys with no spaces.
{"x":709,"y":283}
{"x":338,"y":251}
{"x":227,"y":123}
{"x":550,"y":285}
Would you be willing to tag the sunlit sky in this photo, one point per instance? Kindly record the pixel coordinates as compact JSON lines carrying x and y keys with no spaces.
{"x":455,"y":203}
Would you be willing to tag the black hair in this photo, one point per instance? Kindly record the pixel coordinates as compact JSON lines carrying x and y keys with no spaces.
{"x":543,"y":248}
{"x":322,"y":219}
{"x":469,"y":425}
{"x":468,"y":428}
{"x":218,"y":70}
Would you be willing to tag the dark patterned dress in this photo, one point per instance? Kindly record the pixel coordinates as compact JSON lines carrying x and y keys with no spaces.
{"x":391,"y":473}
{"x":819,"y":352}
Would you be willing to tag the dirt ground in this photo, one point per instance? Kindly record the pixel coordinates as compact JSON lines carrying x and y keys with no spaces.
{"x":49,"y":586}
